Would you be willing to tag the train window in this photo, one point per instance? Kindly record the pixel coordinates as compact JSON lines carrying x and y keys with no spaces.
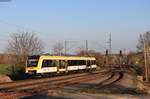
{"x":73,"y":62}
{"x":54,"y":63}
{"x":82,"y":62}
{"x":93,"y":62}
{"x":49,"y":63}
{"x":32,"y":63}
{"x":69,"y":62}
{"x":88,"y":63}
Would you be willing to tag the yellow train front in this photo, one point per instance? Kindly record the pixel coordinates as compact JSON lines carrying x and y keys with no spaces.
{"x":46,"y":65}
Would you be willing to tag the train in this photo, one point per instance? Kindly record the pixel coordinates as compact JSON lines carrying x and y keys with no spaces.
{"x":47,"y":65}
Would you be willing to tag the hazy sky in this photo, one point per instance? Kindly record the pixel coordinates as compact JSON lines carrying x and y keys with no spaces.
{"x":93,"y":20}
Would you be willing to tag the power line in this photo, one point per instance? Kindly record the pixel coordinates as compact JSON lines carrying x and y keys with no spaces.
{"x":98,"y":43}
{"x":16,"y":25}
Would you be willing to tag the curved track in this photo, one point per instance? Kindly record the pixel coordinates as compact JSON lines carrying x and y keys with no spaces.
{"x":25,"y":88}
{"x":116,"y":77}
{"x":113,"y":78}
{"x":21,"y":89}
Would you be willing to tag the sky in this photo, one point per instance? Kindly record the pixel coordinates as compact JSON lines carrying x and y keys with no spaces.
{"x":77,"y":20}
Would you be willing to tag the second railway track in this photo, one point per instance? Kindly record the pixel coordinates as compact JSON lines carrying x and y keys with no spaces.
{"x":108,"y":82}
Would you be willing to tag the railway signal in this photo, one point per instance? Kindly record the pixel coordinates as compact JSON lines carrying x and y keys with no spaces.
{"x":106,"y":54}
{"x":120,"y":53}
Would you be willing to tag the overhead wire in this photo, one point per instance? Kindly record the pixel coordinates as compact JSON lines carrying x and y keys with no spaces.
{"x":19,"y":27}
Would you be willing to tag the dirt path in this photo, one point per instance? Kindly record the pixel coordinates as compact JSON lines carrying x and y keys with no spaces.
{"x":88,"y":96}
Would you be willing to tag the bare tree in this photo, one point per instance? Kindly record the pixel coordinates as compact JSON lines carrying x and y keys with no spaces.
{"x":58,"y":48}
{"x":24,"y":44}
{"x":144,"y":47}
{"x":143,"y":38}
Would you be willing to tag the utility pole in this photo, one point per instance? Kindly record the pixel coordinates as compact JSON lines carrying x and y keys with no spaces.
{"x":109,"y":49}
{"x":124,"y":50}
{"x":145,"y":61}
{"x":110,"y":45}
{"x":65,"y":47}
{"x":124,"y":56}
{"x":86,"y":45}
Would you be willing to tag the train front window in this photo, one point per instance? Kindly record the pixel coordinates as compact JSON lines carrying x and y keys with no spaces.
{"x":32,"y":63}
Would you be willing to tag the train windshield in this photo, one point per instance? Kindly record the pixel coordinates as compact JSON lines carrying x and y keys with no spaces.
{"x":32,"y":62}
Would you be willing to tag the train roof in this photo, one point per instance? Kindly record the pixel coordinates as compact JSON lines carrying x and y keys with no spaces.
{"x":61,"y":57}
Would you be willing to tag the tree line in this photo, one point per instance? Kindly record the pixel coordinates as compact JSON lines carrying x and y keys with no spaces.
{"x":21,"y":45}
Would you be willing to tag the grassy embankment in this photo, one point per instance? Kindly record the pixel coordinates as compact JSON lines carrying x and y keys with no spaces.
{"x":4,"y":69}
{"x":15,"y":72}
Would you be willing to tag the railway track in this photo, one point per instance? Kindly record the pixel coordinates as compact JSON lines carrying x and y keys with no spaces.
{"x":8,"y":86}
{"x":115,"y":77}
{"x":21,"y":89}
{"x":42,"y":80}
{"x":25,"y":88}
{"x":112,"y":79}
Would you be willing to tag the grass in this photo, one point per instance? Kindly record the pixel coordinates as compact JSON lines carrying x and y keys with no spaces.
{"x":4,"y":69}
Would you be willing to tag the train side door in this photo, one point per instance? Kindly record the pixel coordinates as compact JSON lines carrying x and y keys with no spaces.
{"x":62,"y":65}
{"x":88,"y":64}
{"x":57,"y":61}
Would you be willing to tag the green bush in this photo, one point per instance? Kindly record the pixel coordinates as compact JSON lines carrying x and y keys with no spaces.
{"x":16,"y":72}
{"x":4,"y":69}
